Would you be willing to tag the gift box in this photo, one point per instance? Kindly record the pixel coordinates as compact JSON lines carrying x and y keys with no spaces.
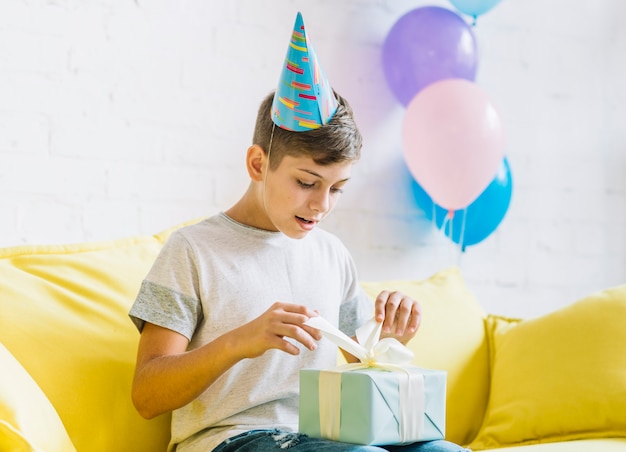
{"x":373,"y":406}
{"x":382,"y":400}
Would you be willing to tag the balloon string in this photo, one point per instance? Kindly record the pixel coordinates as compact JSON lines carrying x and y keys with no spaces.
{"x":444,"y":225}
{"x":441,"y":244}
{"x":462,"y":236}
{"x":446,"y":230}
{"x":450,"y":217}
{"x":434,"y":223}
{"x":449,"y":223}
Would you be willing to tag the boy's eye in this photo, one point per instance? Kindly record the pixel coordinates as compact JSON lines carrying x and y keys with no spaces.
{"x":304,"y":184}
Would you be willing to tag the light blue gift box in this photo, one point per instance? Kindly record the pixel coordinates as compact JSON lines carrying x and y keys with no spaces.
{"x":370,"y":406}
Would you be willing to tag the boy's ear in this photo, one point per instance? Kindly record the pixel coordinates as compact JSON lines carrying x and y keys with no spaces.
{"x":256,"y":162}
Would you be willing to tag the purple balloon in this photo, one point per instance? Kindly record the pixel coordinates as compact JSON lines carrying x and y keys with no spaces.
{"x":426,"y":45}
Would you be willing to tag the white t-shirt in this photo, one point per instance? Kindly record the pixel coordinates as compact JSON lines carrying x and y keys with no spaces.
{"x":216,"y":275}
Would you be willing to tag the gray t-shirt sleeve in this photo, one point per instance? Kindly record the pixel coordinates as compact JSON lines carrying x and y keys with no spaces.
{"x":165,"y":307}
{"x":168,"y":297}
{"x":354,"y":313}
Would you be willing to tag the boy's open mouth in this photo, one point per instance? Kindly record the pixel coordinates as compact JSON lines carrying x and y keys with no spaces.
{"x":304,"y":220}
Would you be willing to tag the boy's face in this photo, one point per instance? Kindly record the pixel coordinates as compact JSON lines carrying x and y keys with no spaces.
{"x":300,"y":193}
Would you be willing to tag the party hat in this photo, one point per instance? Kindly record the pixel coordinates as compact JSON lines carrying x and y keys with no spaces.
{"x":304,"y":99}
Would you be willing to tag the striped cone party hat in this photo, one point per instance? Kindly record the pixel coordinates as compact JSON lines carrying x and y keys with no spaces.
{"x":304,"y":99}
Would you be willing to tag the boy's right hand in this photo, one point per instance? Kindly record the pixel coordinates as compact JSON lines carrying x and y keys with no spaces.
{"x":272,"y":328}
{"x":169,"y":376}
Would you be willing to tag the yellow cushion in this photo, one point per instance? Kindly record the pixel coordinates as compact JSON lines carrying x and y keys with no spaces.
{"x":583,"y":445}
{"x":496,"y":325}
{"x":561,"y":376}
{"x":27,"y":419}
{"x":452,"y":338}
{"x":65,"y":318}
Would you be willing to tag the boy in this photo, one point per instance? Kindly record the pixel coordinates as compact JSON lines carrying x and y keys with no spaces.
{"x":222,"y":311}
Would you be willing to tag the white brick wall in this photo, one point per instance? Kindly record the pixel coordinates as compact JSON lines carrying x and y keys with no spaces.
{"x":120,"y":118}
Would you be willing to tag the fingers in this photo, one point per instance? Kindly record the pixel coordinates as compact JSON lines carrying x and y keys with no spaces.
{"x":313,"y":332}
{"x":295,"y":308}
{"x":296,"y":315}
{"x":400,"y":314}
{"x":287,"y":321}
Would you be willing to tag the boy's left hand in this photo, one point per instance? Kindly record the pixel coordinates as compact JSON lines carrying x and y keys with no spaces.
{"x":400,"y":314}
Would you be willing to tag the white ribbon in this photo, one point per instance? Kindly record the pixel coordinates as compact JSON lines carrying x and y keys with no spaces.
{"x":330,"y":404}
{"x":387,"y":354}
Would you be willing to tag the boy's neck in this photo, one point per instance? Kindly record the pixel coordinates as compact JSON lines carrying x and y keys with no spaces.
{"x":249,"y":210}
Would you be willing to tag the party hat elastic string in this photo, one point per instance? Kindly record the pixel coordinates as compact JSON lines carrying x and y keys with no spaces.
{"x":267,"y":168}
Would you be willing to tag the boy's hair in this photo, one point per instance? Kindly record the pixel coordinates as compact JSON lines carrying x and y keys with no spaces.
{"x":338,"y":140}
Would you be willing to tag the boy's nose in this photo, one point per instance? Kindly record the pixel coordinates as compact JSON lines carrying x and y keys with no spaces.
{"x":320,"y":202}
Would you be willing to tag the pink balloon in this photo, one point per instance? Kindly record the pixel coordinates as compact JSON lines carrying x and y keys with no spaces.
{"x":453,"y":141}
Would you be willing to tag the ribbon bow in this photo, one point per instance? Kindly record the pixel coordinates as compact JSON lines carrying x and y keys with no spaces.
{"x":371,"y":350}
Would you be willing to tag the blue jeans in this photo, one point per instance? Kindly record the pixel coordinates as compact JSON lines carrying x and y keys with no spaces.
{"x":268,"y":440}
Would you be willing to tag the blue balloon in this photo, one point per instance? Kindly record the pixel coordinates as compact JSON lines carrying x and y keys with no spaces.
{"x":475,"y":223}
{"x":474,"y":7}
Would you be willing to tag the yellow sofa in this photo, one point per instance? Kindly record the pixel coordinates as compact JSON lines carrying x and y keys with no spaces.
{"x":67,"y":349}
